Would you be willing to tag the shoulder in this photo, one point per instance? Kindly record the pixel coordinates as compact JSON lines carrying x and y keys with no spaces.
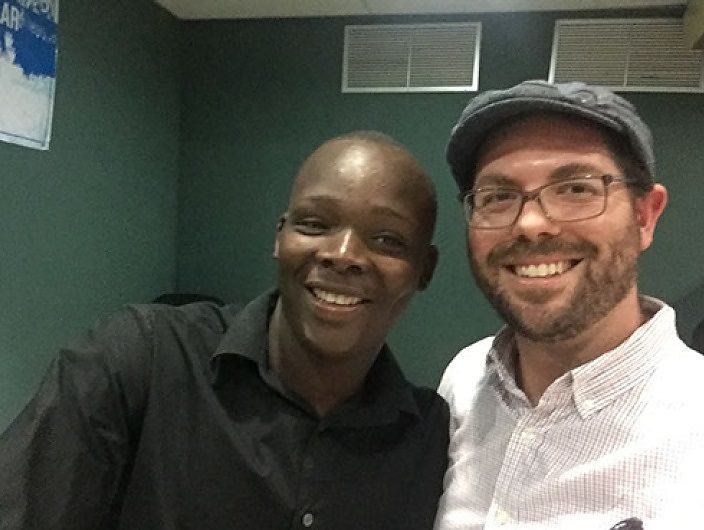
{"x":135,"y":327}
{"x":128,"y":342}
{"x":430,"y":403}
{"x":116,"y":359}
{"x":431,"y":424}
{"x":205,"y":315}
{"x":466,"y":370}
{"x":678,"y":378}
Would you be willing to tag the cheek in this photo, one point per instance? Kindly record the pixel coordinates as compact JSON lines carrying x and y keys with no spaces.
{"x":621,"y":227}
{"x":401,"y":279}
{"x":289,"y":251}
{"x":480,"y":244}
{"x":291,"y":265}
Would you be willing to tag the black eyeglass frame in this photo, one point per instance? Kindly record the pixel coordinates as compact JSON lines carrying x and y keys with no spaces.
{"x":534,"y":194}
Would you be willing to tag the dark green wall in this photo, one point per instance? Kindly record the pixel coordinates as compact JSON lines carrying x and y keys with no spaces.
{"x":90,"y":224}
{"x":260,"y":95}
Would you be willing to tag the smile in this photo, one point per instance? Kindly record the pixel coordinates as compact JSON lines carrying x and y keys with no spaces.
{"x":337,"y":299}
{"x":543,"y":270}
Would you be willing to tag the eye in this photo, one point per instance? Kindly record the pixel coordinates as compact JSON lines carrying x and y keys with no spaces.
{"x":390,"y":242}
{"x":310,"y":226}
{"x":495,"y":199}
{"x":583,"y":188}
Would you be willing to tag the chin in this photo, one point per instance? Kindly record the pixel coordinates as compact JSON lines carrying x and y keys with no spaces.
{"x":333,"y":345}
{"x":553,"y":331}
{"x":538,"y":319}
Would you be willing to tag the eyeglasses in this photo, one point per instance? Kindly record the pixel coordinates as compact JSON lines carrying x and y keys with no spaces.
{"x":572,"y":199}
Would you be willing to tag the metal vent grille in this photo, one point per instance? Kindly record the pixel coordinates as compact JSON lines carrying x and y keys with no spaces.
{"x":411,"y":58}
{"x":648,"y":55}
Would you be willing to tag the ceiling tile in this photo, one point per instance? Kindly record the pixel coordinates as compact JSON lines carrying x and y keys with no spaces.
{"x":380,"y":7}
{"x":263,"y":8}
{"x":195,"y":9}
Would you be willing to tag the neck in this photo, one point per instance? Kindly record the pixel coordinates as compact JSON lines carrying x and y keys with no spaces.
{"x":539,"y":364}
{"x":321,"y":381}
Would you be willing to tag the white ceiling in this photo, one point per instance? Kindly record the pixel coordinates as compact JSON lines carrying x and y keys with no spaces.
{"x":209,"y":9}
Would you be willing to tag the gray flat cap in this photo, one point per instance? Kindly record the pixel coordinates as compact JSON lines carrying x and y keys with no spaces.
{"x":593,"y":103}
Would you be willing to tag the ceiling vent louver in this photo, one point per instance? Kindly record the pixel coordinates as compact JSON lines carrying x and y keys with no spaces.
{"x":646,"y":55}
{"x":411,"y":58}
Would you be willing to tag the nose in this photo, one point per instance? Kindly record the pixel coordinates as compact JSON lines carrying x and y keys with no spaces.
{"x":344,"y":251}
{"x":533,"y":223}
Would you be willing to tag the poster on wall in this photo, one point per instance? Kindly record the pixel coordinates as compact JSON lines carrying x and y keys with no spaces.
{"x":28,"y":47}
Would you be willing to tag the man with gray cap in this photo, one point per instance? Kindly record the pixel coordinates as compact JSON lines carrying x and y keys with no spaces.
{"x":583,"y":411}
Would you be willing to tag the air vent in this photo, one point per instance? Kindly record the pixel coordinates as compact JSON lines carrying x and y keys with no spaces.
{"x":411,"y":58}
{"x":647,"y":55}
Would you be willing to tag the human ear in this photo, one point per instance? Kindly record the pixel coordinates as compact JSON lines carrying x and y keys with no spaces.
{"x":648,"y":211}
{"x":431,"y":261}
{"x":279,"y":226}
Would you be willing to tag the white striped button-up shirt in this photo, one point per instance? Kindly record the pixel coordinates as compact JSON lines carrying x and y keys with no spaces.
{"x":621,"y":436}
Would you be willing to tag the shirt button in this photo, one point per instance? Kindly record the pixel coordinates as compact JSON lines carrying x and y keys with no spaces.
{"x":528,"y":436}
{"x":308,"y":464}
{"x":307,"y":520}
{"x":502,"y":517}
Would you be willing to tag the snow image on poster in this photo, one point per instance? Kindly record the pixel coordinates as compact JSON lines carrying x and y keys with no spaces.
{"x":28,"y":47}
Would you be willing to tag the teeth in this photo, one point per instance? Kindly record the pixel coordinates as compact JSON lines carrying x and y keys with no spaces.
{"x":338,"y":299}
{"x":542,"y":270}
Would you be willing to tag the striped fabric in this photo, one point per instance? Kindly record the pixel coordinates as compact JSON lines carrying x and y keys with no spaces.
{"x":621,"y":436}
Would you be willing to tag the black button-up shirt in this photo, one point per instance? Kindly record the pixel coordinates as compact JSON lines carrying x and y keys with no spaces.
{"x":169,"y":418}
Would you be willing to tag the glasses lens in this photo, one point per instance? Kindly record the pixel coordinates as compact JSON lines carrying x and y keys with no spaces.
{"x":574,"y":199}
{"x":492,"y":207}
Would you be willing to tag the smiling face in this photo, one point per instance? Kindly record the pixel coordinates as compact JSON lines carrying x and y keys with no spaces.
{"x":552,"y":281}
{"x":354,"y":247}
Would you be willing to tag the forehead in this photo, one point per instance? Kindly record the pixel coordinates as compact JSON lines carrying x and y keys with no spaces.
{"x":544,"y":140}
{"x":353,"y":169}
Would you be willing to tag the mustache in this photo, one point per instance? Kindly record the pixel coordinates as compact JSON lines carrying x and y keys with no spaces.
{"x":523,"y":248}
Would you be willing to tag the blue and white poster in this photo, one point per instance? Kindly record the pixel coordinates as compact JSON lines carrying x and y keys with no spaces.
{"x":27,"y":70}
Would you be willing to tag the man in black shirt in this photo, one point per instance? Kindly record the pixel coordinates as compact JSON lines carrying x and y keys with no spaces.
{"x":290,"y":413}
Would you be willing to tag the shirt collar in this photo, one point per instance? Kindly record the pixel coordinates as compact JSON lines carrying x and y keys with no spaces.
{"x":247,"y":332}
{"x":384,"y":394}
{"x":597,"y":383}
{"x":501,"y":366}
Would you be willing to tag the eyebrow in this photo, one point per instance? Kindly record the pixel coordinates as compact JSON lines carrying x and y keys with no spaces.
{"x":561,"y":173}
{"x":491,"y":180}
{"x":377,"y":209}
{"x":570,"y":170}
{"x":384,"y":210}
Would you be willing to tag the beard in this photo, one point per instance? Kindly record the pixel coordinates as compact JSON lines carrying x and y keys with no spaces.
{"x":609,"y":274}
